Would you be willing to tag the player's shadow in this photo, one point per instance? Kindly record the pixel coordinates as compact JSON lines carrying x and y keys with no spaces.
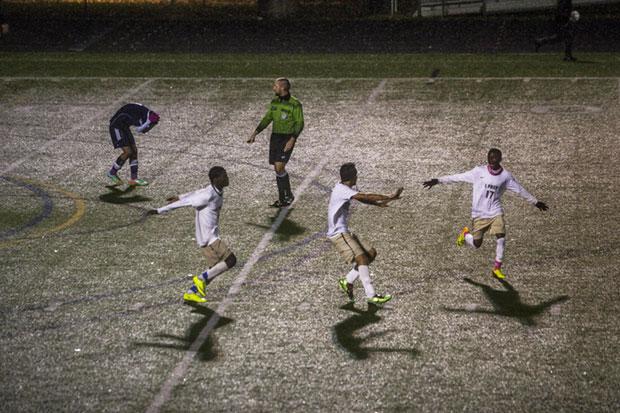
{"x":287,"y":230}
{"x":507,"y":302}
{"x":206,"y":352}
{"x":120,"y":196}
{"x":344,"y":333}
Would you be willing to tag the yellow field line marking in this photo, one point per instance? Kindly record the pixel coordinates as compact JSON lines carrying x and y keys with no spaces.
{"x":80,"y":210}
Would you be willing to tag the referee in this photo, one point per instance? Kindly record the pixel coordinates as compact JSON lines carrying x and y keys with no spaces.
{"x":287,"y":115}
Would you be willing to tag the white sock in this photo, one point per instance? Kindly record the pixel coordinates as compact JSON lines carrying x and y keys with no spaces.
{"x":364,"y":273}
{"x":214,"y":271}
{"x":352,"y":276}
{"x":469,"y":240}
{"x":499,"y":249}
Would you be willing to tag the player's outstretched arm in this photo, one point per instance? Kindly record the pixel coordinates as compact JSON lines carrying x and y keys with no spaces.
{"x":430,"y":183}
{"x":541,"y":205}
{"x":377,"y":199}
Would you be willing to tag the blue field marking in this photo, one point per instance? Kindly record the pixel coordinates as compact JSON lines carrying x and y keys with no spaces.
{"x":48,"y":205}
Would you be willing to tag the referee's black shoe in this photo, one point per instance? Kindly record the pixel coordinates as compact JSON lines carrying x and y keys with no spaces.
{"x":281,"y":204}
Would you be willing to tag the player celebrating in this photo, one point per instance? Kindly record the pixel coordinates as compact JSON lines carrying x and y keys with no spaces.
{"x":286,"y":113}
{"x":346,"y":243}
{"x":208,"y":203}
{"x":132,"y":114}
{"x":489,"y":183}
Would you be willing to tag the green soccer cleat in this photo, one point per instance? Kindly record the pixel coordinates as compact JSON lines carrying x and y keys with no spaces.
{"x":200,"y":285}
{"x":137,"y":182}
{"x":116,"y":181}
{"x":379,"y":299}
{"x":193,"y":298}
{"x":460,"y":240}
{"x":497,"y":273}
{"x":346,"y":288}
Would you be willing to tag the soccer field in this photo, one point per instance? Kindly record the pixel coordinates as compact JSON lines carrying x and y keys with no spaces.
{"x":91,"y":289}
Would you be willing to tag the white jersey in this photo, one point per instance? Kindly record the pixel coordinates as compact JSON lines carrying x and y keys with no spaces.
{"x":338,"y":210}
{"x":208,"y":203}
{"x":488,"y":190}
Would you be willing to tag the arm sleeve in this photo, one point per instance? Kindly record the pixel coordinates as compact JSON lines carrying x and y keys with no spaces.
{"x":462,"y":177}
{"x":298,"y":116}
{"x":194,"y":199}
{"x":265,"y":121}
{"x":513,"y":186}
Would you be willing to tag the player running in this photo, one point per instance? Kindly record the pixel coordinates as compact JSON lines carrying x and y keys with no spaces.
{"x":346,"y":243}
{"x":489,"y":183}
{"x":208,"y":203}
{"x":144,"y":119}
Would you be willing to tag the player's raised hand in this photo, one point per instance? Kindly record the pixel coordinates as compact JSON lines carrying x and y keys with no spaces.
{"x":541,"y":205}
{"x":252,"y":138}
{"x":430,"y":183}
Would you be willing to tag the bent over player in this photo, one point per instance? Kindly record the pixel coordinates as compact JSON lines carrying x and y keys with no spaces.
{"x":208,"y":203}
{"x":144,"y":119}
{"x":489,"y":183}
{"x":350,"y":247}
{"x":287,"y":115}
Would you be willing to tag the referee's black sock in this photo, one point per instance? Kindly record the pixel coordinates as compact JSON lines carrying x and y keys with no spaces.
{"x":288,"y":194}
{"x":282,"y":180}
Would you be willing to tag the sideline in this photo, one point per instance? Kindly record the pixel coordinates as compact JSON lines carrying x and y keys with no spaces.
{"x":182,"y":367}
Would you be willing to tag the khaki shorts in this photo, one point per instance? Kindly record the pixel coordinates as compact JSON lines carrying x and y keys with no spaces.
{"x":493,"y":225}
{"x":215,"y":252}
{"x":349,"y":246}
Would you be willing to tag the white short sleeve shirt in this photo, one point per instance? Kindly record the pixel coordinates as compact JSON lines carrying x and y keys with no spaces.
{"x":338,"y":209}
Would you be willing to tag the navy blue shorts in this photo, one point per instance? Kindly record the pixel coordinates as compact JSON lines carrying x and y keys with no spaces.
{"x":121,"y":137}
{"x":276,"y":149}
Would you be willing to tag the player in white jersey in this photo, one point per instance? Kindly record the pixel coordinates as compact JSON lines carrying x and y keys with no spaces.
{"x":208,"y":203}
{"x":346,"y":243}
{"x":489,"y":183}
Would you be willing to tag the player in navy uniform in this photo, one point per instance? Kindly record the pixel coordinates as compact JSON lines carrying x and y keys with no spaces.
{"x":132,"y":114}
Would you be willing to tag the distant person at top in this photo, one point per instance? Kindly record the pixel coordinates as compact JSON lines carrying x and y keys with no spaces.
{"x":4,"y":25}
{"x":565,"y":28}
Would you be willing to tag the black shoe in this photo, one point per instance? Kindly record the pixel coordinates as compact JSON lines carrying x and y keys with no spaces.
{"x":280,"y":204}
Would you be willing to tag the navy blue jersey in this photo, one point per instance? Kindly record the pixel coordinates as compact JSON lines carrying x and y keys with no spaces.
{"x":134,"y":114}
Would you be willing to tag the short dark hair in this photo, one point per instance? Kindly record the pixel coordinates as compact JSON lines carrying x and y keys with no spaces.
{"x":287,"y":83}
{"x":216,"y":172}
{"x":348,"y":171}
{"x":495,"y":150}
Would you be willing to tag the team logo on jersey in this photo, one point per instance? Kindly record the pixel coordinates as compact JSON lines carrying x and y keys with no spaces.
{"x":284,"y":116}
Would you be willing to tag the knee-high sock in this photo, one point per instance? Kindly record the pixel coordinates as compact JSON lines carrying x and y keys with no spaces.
{"x":281,"y":180}
{"x":499,"y":251}
{"x":287,"y":186}
{"x":365,"y":278}
{"x":116,"y":166}
{"x":352,"y":276}
{"x":133,"y":166}
{"x":469,"y":240}
{"x":214,"y":271}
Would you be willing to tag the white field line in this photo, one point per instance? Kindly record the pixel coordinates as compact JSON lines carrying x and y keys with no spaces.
{"x":82,"y":125}
{"x":182,"y":367}
{"x":422,"y":78}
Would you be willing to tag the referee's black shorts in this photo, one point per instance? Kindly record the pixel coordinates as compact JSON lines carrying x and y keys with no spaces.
{"x":276,"y":148}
